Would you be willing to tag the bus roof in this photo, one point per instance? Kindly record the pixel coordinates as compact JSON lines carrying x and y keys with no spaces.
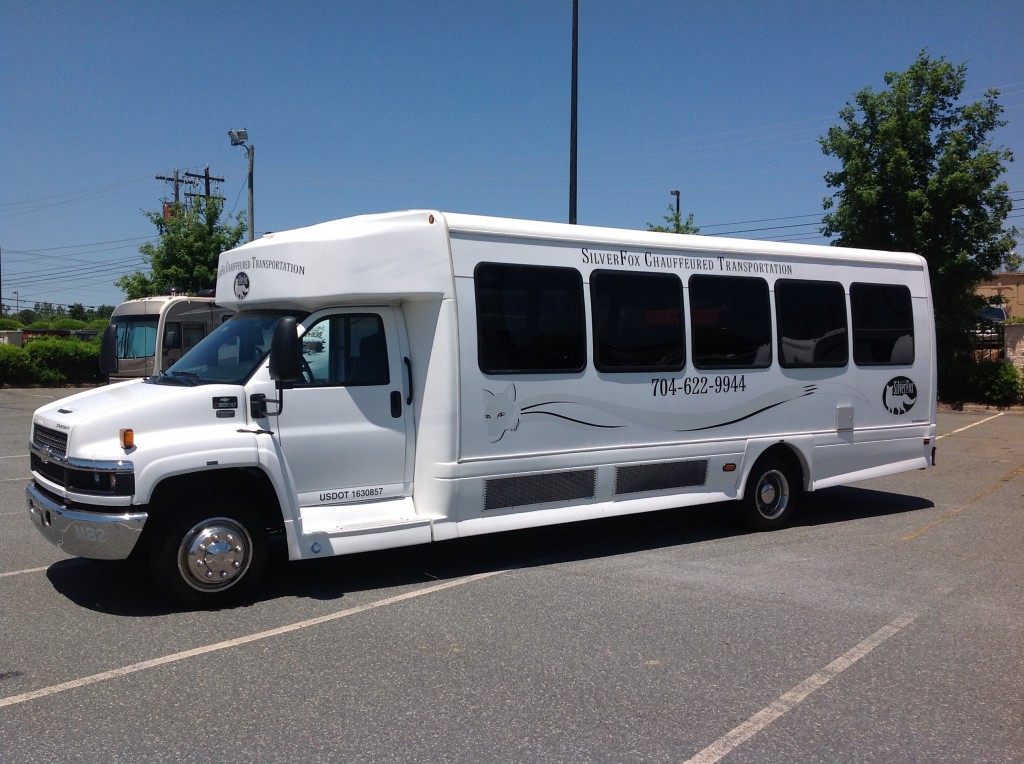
{"x":407,"y":255}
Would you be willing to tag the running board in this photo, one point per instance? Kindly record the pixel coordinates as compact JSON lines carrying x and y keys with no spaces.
{"x":348,"y":529}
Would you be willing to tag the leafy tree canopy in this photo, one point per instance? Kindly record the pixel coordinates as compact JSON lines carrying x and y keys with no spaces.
{"x":920,"y":174}
{"x":185,"y":257}
{"x":675,"y":223}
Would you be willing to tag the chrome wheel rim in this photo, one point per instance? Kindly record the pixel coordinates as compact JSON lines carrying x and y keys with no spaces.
{"x":214,"y":554}
{"x":772,"y":495}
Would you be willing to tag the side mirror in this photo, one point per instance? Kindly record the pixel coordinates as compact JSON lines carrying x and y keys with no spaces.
{"x":108,"y":350}
{"x":285,"y":366}
{"x":285,"y":352}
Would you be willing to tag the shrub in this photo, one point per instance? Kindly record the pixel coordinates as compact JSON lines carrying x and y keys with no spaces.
{"x":7,"y":324}
{"x":15,"y":366}
{"x":59,"y":361}
{"x":956,"y":377}
{"x":997,"y":383}
{"x":68,"y":323}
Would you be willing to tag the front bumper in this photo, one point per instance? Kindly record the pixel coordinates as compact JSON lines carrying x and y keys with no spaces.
{"x":96,"y":535}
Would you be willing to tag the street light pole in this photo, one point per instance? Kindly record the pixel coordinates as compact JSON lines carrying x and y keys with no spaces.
{"x":572,"y":111}
{"x":238,"y":138}
{"x":676,"y":195}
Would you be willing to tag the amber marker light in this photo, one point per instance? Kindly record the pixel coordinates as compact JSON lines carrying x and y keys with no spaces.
{"x":728,"y":467}
{"x":127,"y":439}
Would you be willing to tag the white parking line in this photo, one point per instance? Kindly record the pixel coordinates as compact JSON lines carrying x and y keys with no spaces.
{"x":43,"y":692}
{"x":22,"y":572}
{"x":967,"y":427}
{"x":737,"y":736}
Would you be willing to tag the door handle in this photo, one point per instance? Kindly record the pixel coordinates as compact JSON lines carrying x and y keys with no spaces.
{"x":408,"y":374}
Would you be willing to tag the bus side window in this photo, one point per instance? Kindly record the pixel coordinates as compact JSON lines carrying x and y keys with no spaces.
{"x":529,"y":319}
{"x":883,"y":325}
{"x":731,"y":322}
{"x":638,"y":321}
{"x":191,"y":333}
{"x":811,"y":317}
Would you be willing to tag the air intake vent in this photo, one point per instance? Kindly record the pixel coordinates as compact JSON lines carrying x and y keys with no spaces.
{"x":523,"y":490}
{"x":660,"y":476}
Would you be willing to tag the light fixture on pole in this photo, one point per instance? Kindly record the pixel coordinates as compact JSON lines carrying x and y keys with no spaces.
{"x":676,"y":195}
{"x":238,"y":138}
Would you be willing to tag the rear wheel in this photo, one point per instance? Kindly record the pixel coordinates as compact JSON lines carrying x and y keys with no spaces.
{"x":209,"y":557}
{"x":771,"y":495}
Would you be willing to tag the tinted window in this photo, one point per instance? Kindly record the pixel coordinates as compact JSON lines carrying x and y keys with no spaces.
{"x":883,"y":325}
{"x":530,"y":319}
{"x":811,"y":316}
{"x":638,"y":321}
{"x":730,"y":319}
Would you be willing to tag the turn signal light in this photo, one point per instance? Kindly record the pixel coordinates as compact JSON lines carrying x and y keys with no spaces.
{"x":127,"y":439}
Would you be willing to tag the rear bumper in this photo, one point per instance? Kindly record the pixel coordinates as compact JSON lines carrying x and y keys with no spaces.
{"x":96,"y":535}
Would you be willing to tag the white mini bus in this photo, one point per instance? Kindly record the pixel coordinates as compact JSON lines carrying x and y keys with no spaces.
{"x":403,"y":378}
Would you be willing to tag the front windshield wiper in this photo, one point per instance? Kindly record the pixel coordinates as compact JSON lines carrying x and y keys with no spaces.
{"x":184,"y":378}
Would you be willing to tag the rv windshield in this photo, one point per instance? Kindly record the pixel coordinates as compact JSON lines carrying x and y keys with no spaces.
{"x":136,"y":336}
{"x":230,"y":354}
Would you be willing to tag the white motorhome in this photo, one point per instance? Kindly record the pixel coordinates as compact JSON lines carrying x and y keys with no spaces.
{"x":152,"y":333}
{"x":403,"y":378}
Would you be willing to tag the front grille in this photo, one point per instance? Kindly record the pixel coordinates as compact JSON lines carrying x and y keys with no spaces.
{"x":55,"y":441}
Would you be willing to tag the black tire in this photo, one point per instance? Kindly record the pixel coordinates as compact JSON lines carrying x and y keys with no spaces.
{"x":209,"y":556}
{"x":772,"y":493}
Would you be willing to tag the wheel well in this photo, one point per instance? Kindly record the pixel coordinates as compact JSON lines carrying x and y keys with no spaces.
{"x":785,"y":453}
{"x":248,"y":485}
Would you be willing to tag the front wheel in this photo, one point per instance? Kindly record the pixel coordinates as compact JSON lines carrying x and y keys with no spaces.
{"x":771,"y":495}
{"x":209,"y":558}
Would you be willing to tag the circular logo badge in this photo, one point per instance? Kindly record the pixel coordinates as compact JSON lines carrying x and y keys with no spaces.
{"x":241,"y":285}
{"x":899,"y":395}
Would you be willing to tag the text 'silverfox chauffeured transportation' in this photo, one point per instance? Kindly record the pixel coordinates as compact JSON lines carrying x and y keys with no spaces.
{"x":402,"y":378}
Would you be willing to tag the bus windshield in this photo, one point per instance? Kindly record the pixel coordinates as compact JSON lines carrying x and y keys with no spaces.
{"x":136,"y":336}
{"x":229,"y":354}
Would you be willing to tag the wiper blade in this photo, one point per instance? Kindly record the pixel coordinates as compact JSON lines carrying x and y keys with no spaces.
{"x":185,"y":377}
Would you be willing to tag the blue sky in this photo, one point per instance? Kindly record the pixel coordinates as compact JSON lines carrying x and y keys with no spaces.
{"x":358,"y":107}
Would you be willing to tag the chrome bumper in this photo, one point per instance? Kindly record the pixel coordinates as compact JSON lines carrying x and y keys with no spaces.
{"x":96,"y":535}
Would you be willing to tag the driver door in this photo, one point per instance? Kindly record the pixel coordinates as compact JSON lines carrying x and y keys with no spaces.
{"x":346,"y":429}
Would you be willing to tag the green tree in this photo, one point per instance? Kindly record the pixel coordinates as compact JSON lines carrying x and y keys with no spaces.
{"x":920,"y":174}
{"x":185,"y":257}
{"x":675,"y":222}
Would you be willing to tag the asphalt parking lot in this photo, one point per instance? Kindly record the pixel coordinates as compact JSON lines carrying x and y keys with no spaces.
{"x":886,"y":625}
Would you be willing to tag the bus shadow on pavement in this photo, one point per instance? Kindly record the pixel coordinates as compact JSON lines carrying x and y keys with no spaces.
{"x":124,"y":588}
{"x":846,"y":503}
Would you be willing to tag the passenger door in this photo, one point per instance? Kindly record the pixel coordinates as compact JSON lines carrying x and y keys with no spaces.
{"x":346,"y":427}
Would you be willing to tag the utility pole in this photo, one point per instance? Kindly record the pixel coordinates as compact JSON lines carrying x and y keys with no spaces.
{"x":175,"y":180}
{"x":168,"y":209}
{"x":189,"y":179}
{"x":205,"y":177}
